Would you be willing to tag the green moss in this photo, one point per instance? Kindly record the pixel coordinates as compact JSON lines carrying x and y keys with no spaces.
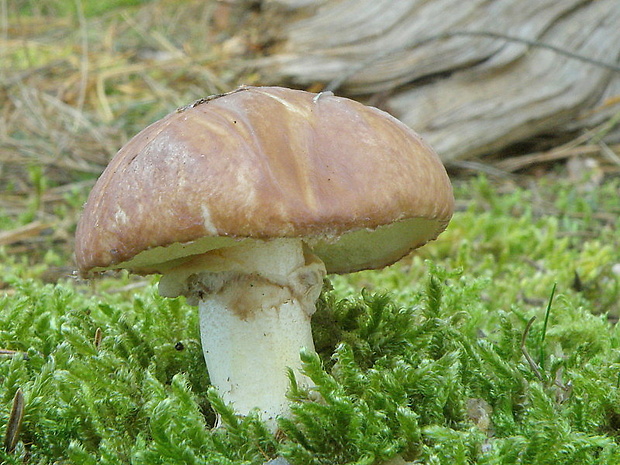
{"x":428,"y":363}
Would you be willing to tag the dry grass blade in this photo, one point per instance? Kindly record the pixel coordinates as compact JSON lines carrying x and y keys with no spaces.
{"x":14,"y":424}
{"x":533,"y":365}
{"x":23,"y":233}
{"x":525,"y":161}
{"x":587,"y":144}
{"x":98,"y":338}
{"x":610,"y":154}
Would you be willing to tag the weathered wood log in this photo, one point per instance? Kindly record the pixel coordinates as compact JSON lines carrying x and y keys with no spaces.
{"x":472,"y":77}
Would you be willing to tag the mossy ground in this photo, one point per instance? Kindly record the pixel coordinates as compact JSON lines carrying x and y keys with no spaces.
{"x":428,"y":364}
{"x":496,"y":344}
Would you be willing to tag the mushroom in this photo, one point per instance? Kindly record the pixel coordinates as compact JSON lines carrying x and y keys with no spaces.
{"x":244,"y":201}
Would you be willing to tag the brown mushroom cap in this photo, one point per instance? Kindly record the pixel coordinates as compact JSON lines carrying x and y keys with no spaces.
{"x":360,"y":187}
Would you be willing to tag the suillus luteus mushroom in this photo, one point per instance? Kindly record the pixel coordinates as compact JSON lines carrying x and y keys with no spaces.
{"x":244,"y":202}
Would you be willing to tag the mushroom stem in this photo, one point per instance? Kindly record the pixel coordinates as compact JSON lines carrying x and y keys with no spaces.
{"x":255,"y":300}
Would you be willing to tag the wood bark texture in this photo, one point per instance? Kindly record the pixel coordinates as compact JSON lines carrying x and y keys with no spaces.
{"x":441,"y":67}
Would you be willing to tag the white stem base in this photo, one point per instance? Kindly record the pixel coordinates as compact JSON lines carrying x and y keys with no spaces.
{"x":247,"y":359}
{"x":255,"y":302}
